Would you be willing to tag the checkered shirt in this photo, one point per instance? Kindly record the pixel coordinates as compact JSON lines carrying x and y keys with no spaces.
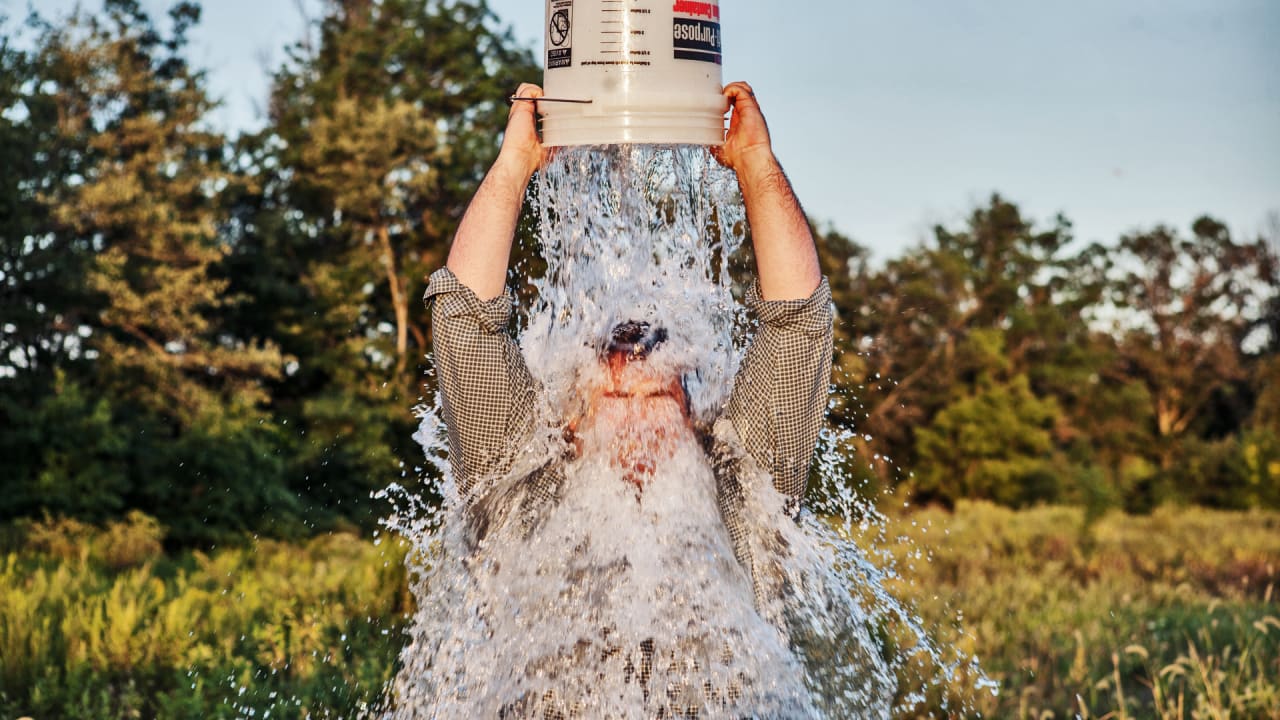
{"x":775,"y":409}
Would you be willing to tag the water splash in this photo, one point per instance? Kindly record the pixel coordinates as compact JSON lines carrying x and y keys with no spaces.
{"x":637,"y":233}
{"x":624,"y":598}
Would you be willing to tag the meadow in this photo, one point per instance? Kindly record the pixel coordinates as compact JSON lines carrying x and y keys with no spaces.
{"x":1170,"y":615}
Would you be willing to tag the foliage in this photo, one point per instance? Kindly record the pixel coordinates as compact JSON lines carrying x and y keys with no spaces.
{"x":1183,"y":309}
{"x":989,"y":362}
{"x":99,"y":624}
{"x":145,"y":196}
{"x":379,"y":134}
{"x":1170,"y":615}
{"x":992,"y":445}
{"x":175,"y":300}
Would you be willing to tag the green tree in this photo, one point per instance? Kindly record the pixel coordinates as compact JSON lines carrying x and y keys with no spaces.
{"x":380,"y":132}
{"x":995,"y":444}
{"x":141,"y":397}
{"x":1181,"y":309}
{"x":1259,"y":443}
{"x":44,"y":305}
{"x":387,"y":130}
{"x":915,"y":322}
{"x":148,"y":200}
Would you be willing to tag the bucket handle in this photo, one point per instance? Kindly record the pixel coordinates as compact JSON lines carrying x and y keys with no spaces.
{"x":514,"y":99}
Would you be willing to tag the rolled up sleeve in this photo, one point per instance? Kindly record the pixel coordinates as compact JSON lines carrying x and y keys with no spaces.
{"x":487,"y":392}
{"x":780,"y":393}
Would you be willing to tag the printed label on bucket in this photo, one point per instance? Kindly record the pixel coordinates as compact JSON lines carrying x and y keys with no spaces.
{"x":696,"y":31}
{"x":697,"y":40}
{"x":560,"y":34}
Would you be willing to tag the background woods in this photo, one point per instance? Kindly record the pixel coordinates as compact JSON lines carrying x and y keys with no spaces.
{"x":226,"y":333}
{"x":1001,"y":362}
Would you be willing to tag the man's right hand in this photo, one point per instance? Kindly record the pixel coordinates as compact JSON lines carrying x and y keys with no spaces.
{"x":786,"y":259}
{"x":520,"y":142}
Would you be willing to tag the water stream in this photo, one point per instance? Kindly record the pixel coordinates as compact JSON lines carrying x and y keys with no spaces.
{"x":623,"y":599}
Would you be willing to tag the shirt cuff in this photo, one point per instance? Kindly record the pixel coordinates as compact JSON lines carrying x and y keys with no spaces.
{"x":810,"y":316}
{"x":457,"y":300}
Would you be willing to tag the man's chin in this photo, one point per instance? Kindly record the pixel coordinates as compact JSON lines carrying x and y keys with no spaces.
{"x":659,"y":405}
{"x":633,"y":417}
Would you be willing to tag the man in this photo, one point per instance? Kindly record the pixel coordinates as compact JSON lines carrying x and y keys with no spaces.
{"x":634,"y":412}
{"x":780,"y":393}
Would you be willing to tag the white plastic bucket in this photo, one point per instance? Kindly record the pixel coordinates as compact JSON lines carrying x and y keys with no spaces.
{"x":651,"y":69}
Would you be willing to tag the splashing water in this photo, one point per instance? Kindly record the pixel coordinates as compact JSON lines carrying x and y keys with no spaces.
{"x":624,"y":599}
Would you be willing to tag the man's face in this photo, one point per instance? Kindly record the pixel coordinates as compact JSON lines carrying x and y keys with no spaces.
{"x":644,"y":385}
{"x":636,"y":415}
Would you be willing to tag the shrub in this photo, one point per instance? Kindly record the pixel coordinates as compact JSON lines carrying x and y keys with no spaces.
{"x":132,"y":542}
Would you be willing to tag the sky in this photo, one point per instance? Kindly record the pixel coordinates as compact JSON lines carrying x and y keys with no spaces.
{"x":891,"y":117}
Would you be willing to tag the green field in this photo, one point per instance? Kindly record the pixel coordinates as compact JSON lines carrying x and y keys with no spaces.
{"x":1171,"y":615}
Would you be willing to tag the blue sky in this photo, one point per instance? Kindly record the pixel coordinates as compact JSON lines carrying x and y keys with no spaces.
{"x":893,"y":116}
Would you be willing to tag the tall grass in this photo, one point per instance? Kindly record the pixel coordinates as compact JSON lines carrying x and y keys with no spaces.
{"x":1168,"y":616}
{"x":1171,"y":615}
{"x":101,"y":625}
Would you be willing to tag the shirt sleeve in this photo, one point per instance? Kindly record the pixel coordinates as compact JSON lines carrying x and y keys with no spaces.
{"x":780,"y":393}
{"x":487,"y":392}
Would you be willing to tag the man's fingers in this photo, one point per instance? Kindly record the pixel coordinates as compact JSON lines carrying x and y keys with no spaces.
{"x":736,"y":91}
{"x":717,"y":152}
{"x":526,"y":90}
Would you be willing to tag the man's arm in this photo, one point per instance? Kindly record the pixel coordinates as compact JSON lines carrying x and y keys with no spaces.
{"x":482,"y":246}
{"x":786,"y":260}
{"x":780,"y":394}
{"x":487,"y":393}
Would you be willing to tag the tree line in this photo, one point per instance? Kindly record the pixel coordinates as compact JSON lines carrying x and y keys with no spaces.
{"x":225,"y":331}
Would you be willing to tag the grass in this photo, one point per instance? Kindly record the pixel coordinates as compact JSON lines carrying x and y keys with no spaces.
{"x":1172,"y":615}
{"x":102,"y":625}
{"x":1167,"y":616}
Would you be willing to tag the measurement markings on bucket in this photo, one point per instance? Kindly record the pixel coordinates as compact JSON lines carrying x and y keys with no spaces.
{"x":611,"y":34}
{"x":622,"y":35}
{"x":560,"y":34}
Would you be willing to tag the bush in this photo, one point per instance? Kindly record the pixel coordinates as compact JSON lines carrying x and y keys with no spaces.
{"x":133,"y":542}
{"x":127,"y":543}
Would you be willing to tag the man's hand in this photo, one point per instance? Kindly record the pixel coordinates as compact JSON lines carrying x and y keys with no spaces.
{"x":747,"y":141}
{"x":520,"y":143}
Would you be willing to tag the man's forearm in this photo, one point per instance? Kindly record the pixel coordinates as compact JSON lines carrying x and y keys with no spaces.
{"x":786,"y":259}
{"x":482,"y":246}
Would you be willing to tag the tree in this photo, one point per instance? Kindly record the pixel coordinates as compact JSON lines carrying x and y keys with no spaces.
{"x":387,"y":130}
{"x":1259,"y":442}
{"x":149,"y":200}
{"x":379,"y":135}
{"x":994,"y":444}
{"x":125,"y":189}
{"x":999,"y":274}
{"x":44,"y":304}
{"x":1181,"y":310}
